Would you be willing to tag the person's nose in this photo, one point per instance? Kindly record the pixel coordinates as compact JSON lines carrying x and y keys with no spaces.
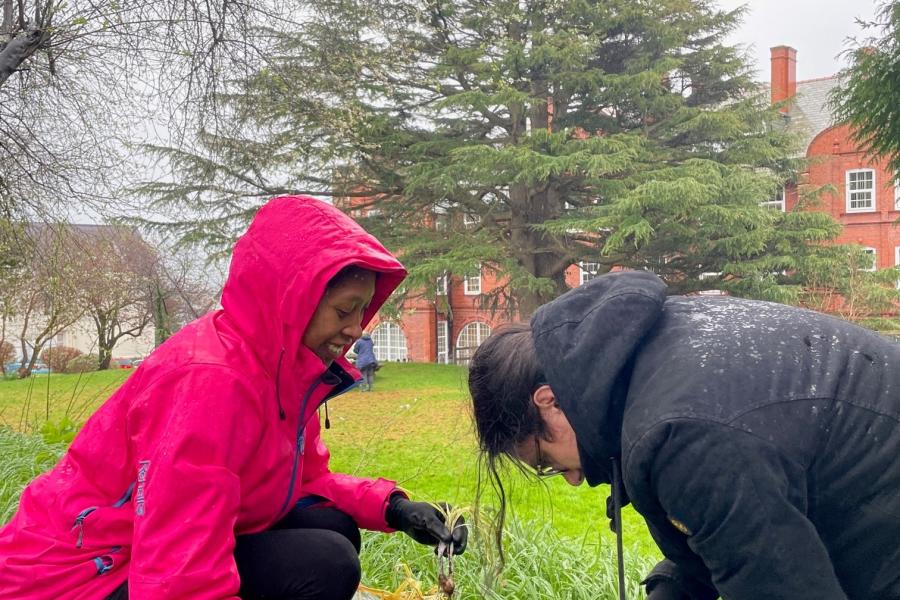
{"x":354,"y":330}
{"x":574,"y":477}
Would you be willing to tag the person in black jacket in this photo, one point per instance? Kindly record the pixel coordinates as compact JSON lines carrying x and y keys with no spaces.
{"x":760,"y":442}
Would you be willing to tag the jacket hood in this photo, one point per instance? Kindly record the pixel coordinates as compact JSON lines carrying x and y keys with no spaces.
{"x":281,"y":266}
{"x":585,"y":340}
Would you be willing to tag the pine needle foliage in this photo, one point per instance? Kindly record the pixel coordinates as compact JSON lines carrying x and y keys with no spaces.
{"x":524,"y":135}
{"x":867,"y":96}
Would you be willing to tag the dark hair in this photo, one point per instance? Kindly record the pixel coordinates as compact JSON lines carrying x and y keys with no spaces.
{"x":346,"y":273}
{"x":503,"y":373}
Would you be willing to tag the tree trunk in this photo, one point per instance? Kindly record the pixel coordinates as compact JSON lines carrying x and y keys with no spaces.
{"x":18,"y":50}
{"x":104,"y":345}
{"x":105,"y":358}
{"x":161,"y":322}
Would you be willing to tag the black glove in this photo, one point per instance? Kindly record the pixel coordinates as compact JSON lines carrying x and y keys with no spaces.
{"x":424,"y":523}
{"x":664,"y":589}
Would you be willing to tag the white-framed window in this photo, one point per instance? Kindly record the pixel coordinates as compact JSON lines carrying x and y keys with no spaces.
{"x":472,"y":335}
{"x":472,"y":283}
{"x":873,"y":264}
{"x":441,"y":222}
{"x":441,"y":287}
{"x":588,"y":270}
{"x":443,"y":343}
{"x":897,"y":191}
{"x":897,"y":261}
{"x":776,"y":203}
{"x":860,"y":190}
{"x":390,"y":343}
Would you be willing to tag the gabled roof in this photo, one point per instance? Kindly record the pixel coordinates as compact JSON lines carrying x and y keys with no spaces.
{"x":809,"y":112}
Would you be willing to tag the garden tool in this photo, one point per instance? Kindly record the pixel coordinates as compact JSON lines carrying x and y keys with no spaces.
{"x":617,"y":522}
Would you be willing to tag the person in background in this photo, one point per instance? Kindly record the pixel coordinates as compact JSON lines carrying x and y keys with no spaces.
{"x":205,"y":476}
{"x":365,"y":361}
{"x":760,"y":442}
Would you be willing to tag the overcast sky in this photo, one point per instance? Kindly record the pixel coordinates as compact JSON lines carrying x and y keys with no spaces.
{"x":817,"y":29}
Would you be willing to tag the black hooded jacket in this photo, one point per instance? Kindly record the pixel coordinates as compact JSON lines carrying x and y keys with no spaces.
{"x":760,"y":442}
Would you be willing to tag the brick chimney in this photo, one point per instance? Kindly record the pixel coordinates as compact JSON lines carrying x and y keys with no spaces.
{"x":784,"y":74}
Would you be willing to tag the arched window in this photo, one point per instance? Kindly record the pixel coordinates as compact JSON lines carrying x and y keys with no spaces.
{"x":469,"y":339}
{"x":390,"y":343}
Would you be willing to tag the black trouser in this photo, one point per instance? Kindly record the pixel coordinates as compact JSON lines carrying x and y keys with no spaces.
{"x":313,"y":553}
{"x":368,"y":381}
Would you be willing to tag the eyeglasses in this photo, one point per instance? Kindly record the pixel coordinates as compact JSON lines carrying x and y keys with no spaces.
{"x":539,"y":469}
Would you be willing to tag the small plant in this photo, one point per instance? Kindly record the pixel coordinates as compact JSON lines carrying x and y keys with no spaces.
{"x":61,"y":432}
{"x":58,"y":358}
{"x":410,"y":588}
{"x":86,"y":363}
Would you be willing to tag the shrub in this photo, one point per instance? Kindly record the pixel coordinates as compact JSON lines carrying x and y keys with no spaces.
{"x":58,"y":357}
{"x":85,"y":363}
{"x":7,"y":351}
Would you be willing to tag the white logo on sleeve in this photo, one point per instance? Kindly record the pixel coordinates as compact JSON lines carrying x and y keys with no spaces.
{"x":143,"y":467}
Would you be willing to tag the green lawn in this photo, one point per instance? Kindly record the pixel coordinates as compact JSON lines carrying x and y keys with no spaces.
{"x":27,"y":404}
{"x":415,"y":428}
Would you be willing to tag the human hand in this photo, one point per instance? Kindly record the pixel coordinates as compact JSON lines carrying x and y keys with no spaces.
{"x":424,"y":523}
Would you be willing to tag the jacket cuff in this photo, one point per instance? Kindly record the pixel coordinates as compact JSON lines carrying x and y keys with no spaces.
{"x":387,"y":507}
{"x":668,"y":570}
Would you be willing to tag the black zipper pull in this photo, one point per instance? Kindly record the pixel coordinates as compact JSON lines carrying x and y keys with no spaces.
{"x":79,"y":523}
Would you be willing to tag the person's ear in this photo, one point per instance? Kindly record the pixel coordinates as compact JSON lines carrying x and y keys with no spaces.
{"x":543,"y":397}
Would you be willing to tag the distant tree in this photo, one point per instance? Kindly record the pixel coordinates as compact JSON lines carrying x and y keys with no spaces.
{"x":522,"y":135}
{"x":14,"y":248}
{"x":845,"y":282}
{"x":115,"y":278}
{"x":187,"y":287}
{"x":49,"y":298}
{"x":81,"y":79}
{"x":867,"y":97}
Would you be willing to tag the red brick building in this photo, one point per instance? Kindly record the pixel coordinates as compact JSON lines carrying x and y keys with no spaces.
{"x":865,"y":200}
{"x":865,"y":197}
{"x":428,"y":332}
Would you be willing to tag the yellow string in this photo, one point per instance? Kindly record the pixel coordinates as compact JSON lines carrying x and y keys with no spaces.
{"x":409,"y":589}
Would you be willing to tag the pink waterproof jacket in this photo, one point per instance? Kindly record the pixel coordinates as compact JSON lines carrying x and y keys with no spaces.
{"x":215,"y":435}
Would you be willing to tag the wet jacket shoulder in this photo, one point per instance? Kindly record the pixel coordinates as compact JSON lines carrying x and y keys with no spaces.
{"x":758,"y":441}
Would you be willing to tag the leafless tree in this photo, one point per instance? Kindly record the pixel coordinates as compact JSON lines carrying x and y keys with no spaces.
{"x":48,"y":299}
{"x":13,"y":272}
{"x":115,"y":277}
{"x":185,"y":288}
{"x":83,"y":82}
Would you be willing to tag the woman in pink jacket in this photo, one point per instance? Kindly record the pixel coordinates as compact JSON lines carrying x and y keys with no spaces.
{"x":204,"y":476}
